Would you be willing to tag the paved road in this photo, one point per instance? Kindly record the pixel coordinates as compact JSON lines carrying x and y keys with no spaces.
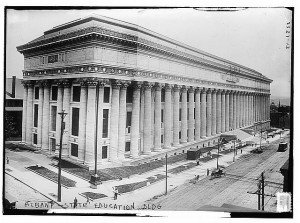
{"x":232,"y":189}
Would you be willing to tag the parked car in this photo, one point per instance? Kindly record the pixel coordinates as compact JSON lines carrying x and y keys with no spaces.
{"x":282,"y":147}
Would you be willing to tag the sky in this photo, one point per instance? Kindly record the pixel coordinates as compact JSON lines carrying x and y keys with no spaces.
{"x":255,"y":37}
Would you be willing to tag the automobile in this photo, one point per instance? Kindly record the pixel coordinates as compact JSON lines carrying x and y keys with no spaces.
{"x":282,"y":147}
{"x":257,"y":150}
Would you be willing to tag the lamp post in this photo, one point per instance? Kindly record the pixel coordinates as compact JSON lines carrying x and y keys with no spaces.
{"x":63,"y":115}
{"x":219,"y":142}
{"x":233,"y":150}
{"x":166,"y":174}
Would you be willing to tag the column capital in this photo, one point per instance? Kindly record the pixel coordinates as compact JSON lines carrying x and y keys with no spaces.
{"x":208,"y":90}
{"x":125,"y":84}
{"x":137,"y":85}
{"x":46,"y":83}
{"x":223,"y":91}
{"x":203,"y":90}
{"x":176,"y":88}
{"x":148,"y":85}
{"x":116,"y":84}
{"x":219,"y":91}
{"x":158,"y":86}
{"x":63,"y":83}
{"x":184,"y":88}
{"x":214,"y":90}
{"x":28,"y":83}
{"x":191,"y":89}
{"x":168,"y":87}
{"x":197,"y":89}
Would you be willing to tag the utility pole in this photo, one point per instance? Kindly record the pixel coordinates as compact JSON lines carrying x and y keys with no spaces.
{"x":234,"y":151}
{"x":219,"y":142}
{"x":259,"y":190}
{"x":262,"y":191}
{"x":166,"y":174}
{"x":62,"y":115}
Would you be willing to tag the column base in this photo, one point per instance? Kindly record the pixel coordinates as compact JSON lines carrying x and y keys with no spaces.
{"x":183,"y":141}
{"x":157,"y":149}
{"x":146,"y":152}
{"x":134,"y":156}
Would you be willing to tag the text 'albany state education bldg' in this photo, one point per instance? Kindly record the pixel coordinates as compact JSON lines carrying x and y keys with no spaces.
{"x":130,"y":93}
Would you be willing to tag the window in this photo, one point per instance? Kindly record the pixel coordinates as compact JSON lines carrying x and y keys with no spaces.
{"x":75,"y":121}
{"x":194,"y":113}
{"x":180,"y":114}
{"x":54,"y":90}
{"x":106,"y":95}
{"x":35,"y":112}
{"x":162,"y":115}
{"x":76,"y":93}
{"x":127,"y":147}
{"x":36,"y":93}
{"x":104,"y":152}
{"x":105,"y":123}
{"x":180,"y":97}
{"x":53,"y":118}
{"x":187,"y":114}
{"x":74,"y":149}
{"x":129,"y":95}
{"x":53,"y":58}
{"x":34,"y":138}
{"x":128,"y":121}
{"x":187,"y":97}
{"x":163,"y":93}
{"x":180,"y":135}
{"x":162,"y":138}
{"x":53,"y":144}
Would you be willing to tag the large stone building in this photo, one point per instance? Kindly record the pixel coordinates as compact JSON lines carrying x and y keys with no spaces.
{"x":130,"y":93}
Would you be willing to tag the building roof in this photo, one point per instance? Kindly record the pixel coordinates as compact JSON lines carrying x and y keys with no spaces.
{"x":19,"y":89}
{"x":128,"y":31}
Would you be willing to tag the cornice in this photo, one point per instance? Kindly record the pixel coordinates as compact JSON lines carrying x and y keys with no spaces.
{"x":100,"y":69}
{"x":99,"y":33}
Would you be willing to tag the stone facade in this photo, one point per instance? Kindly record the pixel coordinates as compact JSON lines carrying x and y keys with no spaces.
{"x":130,"y":93}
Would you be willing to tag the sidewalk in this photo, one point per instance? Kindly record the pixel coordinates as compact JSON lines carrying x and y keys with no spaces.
{"x":20,"y":160}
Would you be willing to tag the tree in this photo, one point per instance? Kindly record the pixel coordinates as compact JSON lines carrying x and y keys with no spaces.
{"x":9,"y":126}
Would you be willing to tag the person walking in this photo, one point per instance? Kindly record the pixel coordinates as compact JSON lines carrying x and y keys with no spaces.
{"x":207,"y":172}
{"x":75,"y":202}
{"x":116,"y":192}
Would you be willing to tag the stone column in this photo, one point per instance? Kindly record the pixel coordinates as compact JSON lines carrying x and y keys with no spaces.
{"x":214,"y":112}
{"x":255,"y":107}
{"x":114,"y":120}
{"x":176,"y":116}
{"x":197,"y":114}
{"x":29,"y":112}
{"x":157,"y":118}
{"x":240,"y":109}
{"x":90,"y":121}
{"x":59,"y":109}
{"x":223,"y":115}
{"x":24,"y":113}
{"x":184,"y":115}
{"x":237,"y":109}
{"x":135,"y":119}
{"x":191,"y":136}
{"x":147,"y":119}
{"x":227,"y":115}
{"x":167,"y":116}
{"x":246,"y":109}
{"x":122,"y":120}
{"x":250,"y":108}
{"x":82,"y":120}
{"x":46,"y":117}
{"x":219,"y":111}
{"x":208,"y":113}
{"x":203,"y":113}
{"x":101,"y":84}
{"x":40,"y":116}
{"x":67,"y":120}
{"x":231,"y":110}
{"x":234,"y":108}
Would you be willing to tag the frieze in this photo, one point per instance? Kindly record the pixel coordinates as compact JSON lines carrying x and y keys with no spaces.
{"x":94,"y":32}
{"x":132,"y":73}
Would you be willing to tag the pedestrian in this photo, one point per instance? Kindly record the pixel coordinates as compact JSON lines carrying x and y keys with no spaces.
{"x":207,"y":172}
{"x":116,"y":192}
{"x":87,"y":199}
{"x":197,"y":177}
{"x":241,"y":151}
{"x":75,"y":202}
{"x":7,"y":160}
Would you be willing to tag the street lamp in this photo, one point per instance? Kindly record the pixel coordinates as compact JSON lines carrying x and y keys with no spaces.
{"x":62,"y":127}
{"x":219,"y":142}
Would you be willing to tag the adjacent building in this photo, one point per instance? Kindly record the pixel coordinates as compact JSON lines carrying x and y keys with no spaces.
{"x":131,"y":94}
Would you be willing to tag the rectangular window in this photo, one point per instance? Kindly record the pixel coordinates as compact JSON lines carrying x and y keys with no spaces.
{"x":53,"y":118}
{"x":187,"y":114}
{"x":53,"y":58}
{"x":180,"y":114}
{"x":104,"y":152}
{"x":127,"y":147}
{"x":162,"y":139}
{"x":128,"y":121}
{"x":180,"y":135}
{"x":34,"y":138}
{"x":53,"y":144}
{"x":76,"y":93}
{"x":36,"y":115}
{"x":36,"y":93}
{"x":162,"y":115}
{"x":129,"y":95}
{"x":106,"y":95}
{"x":54,"y":90}
{"x":180,"y":97}
{"x":163,"y":93}
{"x":75,"y":121}
{"x":74,"y":149}
{"x":187,"y":97}
{"x":105,"y":123}
{"x":194,"y":113}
